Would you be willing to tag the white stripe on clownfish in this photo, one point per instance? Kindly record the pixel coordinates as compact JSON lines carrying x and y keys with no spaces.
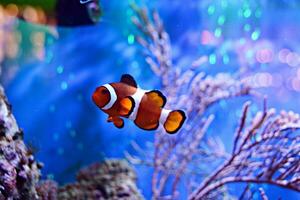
{"x":113,"y":97}
{"x":137,"y":96}
{"x":164,"y":115}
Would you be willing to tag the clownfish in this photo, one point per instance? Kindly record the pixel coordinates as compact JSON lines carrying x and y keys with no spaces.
{"x":145,"y":108}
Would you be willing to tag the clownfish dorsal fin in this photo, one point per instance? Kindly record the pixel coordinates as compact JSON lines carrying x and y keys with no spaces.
{"x":157,"y":97}
{"x":127,"y":106}
{"x":129,"y":80}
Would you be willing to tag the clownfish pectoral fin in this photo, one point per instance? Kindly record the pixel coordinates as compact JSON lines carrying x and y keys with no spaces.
{"x":110,"y":119}
{"x":118,"y":122}
{"x":157,"y":97}
{"x":127,"y":106}
{"x":129,"y":80}
{"x":174,"y":121}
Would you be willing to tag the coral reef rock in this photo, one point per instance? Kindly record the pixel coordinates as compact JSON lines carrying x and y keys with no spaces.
{"x":19,"y":172}
{"x":112,"y":179}
{"x":47,"y":190}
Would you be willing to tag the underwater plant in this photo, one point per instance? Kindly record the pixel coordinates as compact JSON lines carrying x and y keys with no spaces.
{"x":265,"y":152}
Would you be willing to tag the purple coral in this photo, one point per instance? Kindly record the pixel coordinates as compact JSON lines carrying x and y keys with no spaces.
{"x":112,"y":179}
{"x":47,"y":190}
{"x":18,"y":171}
{"x":8,"y":179}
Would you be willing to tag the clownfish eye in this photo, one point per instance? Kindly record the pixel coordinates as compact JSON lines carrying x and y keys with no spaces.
{"x":104,"y":91}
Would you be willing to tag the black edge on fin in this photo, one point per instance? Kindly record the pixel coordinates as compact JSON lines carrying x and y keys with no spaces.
{"x":181,"y":123}
{"x":161,"y":95}
{"x":132,"y":107}
{"x":129,"y":80}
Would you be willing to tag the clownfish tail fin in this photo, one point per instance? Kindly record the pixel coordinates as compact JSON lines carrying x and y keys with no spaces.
{"x":172,"y":120}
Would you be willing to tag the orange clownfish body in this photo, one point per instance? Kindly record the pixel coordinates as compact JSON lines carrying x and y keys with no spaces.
{"x":125,"y":100}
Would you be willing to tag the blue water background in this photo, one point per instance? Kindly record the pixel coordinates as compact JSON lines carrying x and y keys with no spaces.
{"x":52,"y":98}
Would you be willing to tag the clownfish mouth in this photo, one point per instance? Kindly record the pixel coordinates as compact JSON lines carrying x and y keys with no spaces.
{"x":96,"y":98}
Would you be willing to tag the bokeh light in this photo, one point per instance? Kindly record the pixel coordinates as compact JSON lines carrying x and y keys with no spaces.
{"x":57,"y":68}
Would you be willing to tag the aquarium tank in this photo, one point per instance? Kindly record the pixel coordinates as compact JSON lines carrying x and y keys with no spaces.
{"x":149,"y":99}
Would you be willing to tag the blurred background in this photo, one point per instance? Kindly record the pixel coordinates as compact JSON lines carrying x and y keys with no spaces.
{"x":53,"y":56}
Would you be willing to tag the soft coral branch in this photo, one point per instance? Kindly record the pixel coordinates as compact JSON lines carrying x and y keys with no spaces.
{"x":156,"y":41}
{"x":190,"y":90}
{"x":268,"y":153}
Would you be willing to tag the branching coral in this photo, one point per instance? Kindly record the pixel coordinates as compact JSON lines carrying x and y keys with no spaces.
{"x":247,"y":194}
{"x":265,"y":152}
